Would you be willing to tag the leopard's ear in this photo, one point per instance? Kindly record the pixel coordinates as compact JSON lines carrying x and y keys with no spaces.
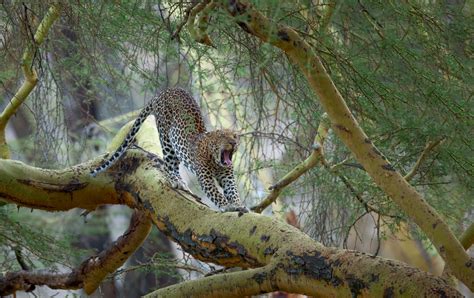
{"x":238,"y":132}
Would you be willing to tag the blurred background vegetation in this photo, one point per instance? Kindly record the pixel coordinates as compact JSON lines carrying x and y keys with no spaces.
{"x":404,"y":68}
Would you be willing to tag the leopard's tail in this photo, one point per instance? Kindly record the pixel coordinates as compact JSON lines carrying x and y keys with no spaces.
{"x":147,"y":111}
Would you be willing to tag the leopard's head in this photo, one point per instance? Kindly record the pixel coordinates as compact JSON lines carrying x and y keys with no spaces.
{"x":222,"y":145}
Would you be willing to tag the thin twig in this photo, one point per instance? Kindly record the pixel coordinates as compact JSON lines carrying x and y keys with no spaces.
{"x":149,"y":266}
{"x":428,"y":148}
{"x":20,"y":259}
{"x":300,"y":169}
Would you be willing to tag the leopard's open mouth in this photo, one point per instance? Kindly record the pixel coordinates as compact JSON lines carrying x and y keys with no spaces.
{"x":226,"y":157}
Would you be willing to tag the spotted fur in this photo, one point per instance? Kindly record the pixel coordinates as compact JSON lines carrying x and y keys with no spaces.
{"x":184,"y":138}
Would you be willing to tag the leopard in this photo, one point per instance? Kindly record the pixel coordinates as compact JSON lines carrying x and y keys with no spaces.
{"x":185,"y":139}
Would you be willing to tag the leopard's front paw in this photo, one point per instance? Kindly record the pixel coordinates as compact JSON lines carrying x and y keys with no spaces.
{"x":179,"y":184}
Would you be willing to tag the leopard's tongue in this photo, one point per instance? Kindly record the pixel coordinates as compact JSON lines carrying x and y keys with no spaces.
{"x":227,"y":159}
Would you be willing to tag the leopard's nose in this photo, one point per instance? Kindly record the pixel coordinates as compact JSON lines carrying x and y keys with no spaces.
{"x":233,"y":143}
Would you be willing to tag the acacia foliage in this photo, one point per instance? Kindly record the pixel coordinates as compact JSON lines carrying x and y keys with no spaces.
{"x":403,"y":68}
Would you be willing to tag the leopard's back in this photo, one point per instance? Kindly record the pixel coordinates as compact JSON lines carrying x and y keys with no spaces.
{"x":180,"y":123}
{"x":175,"y":108}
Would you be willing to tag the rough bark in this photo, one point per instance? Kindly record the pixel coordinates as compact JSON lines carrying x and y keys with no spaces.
{"x":281,"y":256}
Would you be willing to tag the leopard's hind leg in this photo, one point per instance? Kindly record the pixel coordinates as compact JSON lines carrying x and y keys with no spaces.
{"x":171,"y":163}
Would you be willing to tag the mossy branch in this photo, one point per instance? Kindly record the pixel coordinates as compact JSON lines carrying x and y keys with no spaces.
{"x":62,"y":190}
{"x":235,"y":284}
{"x":29,"y":73}
{"x":283,"y":257}
{"x":349,"y":131}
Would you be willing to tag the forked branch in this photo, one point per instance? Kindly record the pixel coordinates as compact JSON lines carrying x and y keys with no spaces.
{"x":91,"y":272}
{"x":29,"y":73}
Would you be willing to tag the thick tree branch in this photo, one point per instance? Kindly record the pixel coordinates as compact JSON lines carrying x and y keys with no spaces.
{"x":57,"y":190}
{"x":235,"y":284}
{"x":308,"y":273}
{"x":62,"y":190}
{"x":300,"y":169}
{"x":29,"y":73}
{"x":296,"y":263}
{"x":346,"y":127}
{"x":300,"y":264}
{"x":467,"y":238}
{"x":95,"y":269}
{"x":91,"y":272}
